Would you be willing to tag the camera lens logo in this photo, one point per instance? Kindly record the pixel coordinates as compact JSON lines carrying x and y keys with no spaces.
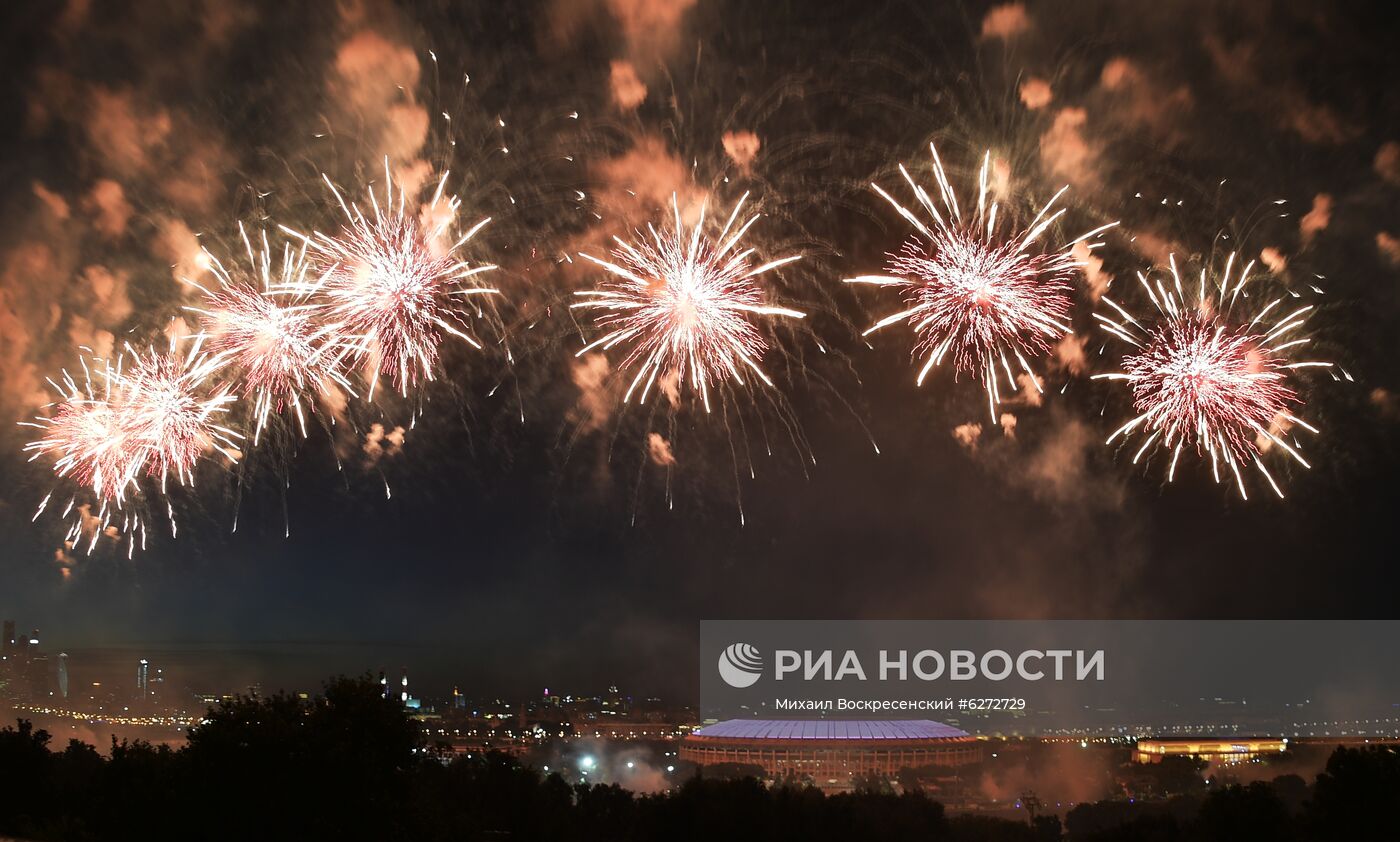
{"x":740,"y":665}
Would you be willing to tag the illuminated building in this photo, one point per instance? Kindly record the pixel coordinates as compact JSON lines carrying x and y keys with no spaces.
{"x":831,"y":753}
{"x":24,"y":668}
{"x":63,"y":674}
{"x":1235,"y":750}
{"x":629,"y":730}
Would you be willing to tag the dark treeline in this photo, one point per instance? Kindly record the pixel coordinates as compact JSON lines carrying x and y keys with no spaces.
{"x":350,"y":765}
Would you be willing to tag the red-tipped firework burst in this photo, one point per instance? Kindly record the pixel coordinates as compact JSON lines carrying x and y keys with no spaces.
{"x":684,"y":302}
{"x":172,"y":413}
{"x":1203,"y":379}
{"x":393,"y":284}
{"x":976,"y":294}
{"x":87,"y":437}
{"x":156,"y":417}
{"x":263,"y":319}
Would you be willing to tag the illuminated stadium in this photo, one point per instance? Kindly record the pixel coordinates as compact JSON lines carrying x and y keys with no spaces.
{"x":831,"y":752}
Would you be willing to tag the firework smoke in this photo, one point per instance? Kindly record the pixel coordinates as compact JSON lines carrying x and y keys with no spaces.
{"x":975,"y":293}
{"x":391,"y":289}
{"x":684,"y":302}
{"x":1203,"y":379}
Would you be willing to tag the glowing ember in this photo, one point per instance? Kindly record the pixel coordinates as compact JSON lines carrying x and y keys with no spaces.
{"x":1203,"y":380}
{"x":974,"y":294}
{"x":684,"y":302}
{"x":391,"y":287}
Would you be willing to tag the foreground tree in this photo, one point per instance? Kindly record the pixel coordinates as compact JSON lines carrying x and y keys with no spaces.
{"x":336,"y":767}
{"x":348,"y":765}
{"x":1355,"y":796}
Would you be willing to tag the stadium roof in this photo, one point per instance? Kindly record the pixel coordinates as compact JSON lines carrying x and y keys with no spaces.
{"x":830,"y":729}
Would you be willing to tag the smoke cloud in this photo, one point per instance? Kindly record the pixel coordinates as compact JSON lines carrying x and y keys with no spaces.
{"x":1006,"y":21}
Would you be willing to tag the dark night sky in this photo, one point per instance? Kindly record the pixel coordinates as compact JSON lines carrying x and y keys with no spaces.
{"x":514,"y":554}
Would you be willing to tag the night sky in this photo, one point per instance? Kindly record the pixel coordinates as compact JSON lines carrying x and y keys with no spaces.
{"x":558,"y":549}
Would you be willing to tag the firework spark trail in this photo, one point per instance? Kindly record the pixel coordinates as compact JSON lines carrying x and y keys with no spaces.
{"x":684,"y":301}
{"x":1202,"y":379}
{"x":391,"y":290}
{"x":975,"y":294}
{"x":280,"y":348}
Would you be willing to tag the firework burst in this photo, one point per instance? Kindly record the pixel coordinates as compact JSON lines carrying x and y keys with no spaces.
{"x":975,"y":293}
{"x":87,"y":437}
{"x":172,"y":412}
{"x":156,"y":417}
{"x":391,"y":287}
{"x":1203,"y":379}
{"x":684,"y":302}
{"x":279,"y":347}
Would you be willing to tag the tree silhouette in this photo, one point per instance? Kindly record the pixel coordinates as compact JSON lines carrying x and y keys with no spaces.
{"x":348,"y":765}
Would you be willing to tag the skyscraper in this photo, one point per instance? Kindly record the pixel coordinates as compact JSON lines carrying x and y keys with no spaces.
{"x":143,"y":671}
{"x":8,"y":642}
{"x":63,"y":674}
